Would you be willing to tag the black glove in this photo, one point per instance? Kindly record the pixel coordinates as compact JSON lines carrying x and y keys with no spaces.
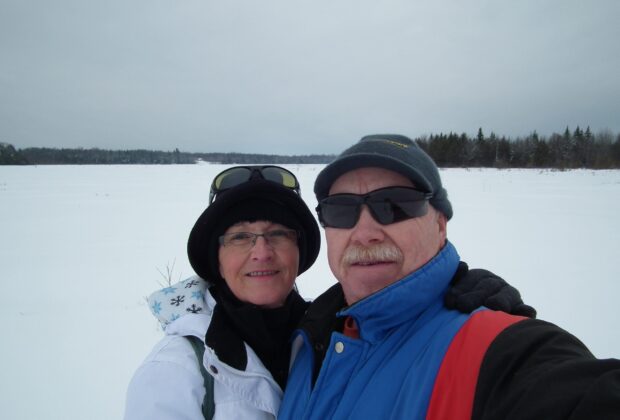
{"x":471,"y":289}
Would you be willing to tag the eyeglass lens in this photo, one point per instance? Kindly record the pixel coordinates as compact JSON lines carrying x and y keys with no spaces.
{"x":279,"y":175}
{"x":232,"y":177}
{"x":248,"y":239}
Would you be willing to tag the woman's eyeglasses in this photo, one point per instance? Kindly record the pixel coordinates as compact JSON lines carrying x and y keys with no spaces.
{"x":237,"y":175}
{"x":246,"y":240}
{"x":386,"y":205}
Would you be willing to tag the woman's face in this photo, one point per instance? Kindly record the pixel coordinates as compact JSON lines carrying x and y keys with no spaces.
{"x":264,"y":273}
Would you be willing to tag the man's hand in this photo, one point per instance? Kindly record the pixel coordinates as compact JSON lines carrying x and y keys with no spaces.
{"x":474,"y":288}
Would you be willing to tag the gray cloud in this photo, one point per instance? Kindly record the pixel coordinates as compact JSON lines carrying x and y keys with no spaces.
{"x":300,"y":77}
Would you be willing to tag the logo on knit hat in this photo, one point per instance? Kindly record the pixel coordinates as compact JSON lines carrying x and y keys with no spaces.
{"x":395,"y":143}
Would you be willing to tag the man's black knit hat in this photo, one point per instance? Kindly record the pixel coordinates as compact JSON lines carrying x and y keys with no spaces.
{"x":255,"y":200}
{"x":389,"y":151}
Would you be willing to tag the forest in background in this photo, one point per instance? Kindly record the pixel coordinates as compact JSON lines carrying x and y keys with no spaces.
{"x":576,"y":148}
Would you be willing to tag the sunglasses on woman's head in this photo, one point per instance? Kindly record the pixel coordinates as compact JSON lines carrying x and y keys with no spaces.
{"x":387,"y":205}
{"x":238,"y":175}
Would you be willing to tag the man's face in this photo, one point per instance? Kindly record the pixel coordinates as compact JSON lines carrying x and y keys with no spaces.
{"x":370,"y":256}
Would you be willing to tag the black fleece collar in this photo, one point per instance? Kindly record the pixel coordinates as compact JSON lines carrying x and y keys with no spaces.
{"x":320,"y":321}
{"x":267,"y":331}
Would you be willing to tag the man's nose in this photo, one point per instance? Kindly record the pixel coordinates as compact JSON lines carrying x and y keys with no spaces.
{"x":367,"y":230}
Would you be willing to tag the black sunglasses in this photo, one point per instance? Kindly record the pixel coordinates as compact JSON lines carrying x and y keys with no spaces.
{"x":238,"y":175}
{"x":387,"y":205}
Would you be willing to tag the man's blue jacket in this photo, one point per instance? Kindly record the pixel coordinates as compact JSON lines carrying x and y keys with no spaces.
{"x":415,"y":359}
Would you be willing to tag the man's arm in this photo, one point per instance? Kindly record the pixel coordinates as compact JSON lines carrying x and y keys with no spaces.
{"x":536,"y":370}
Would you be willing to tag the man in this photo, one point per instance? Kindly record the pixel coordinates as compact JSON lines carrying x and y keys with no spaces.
{"x":381,"y":345}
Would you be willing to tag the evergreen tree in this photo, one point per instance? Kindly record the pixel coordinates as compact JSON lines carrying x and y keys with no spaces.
{"x":10,"y":156}
{"x":541,"y":154}
{"x":615,"y":153}
{"x":579,"y":149}
{"x":504,"y":153}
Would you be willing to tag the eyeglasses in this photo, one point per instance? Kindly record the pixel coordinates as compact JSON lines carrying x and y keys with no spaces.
{"x":246,"y":240}
{"x":237,"y":175}
{"x":386,"y":205}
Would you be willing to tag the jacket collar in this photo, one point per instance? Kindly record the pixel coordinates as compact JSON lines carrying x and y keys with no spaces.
{"x":180,"y":299}
{"x":406,"y":299}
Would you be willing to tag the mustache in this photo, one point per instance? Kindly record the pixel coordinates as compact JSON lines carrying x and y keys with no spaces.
{"x":356,"y":254}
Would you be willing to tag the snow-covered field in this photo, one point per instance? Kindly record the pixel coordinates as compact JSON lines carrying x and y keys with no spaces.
{"x":80,"y":247}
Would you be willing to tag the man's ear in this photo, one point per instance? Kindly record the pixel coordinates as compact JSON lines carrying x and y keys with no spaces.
{"x":442,"y":225}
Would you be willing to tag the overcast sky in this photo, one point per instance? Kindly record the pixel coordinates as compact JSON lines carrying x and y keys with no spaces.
{"x":299,"y":77}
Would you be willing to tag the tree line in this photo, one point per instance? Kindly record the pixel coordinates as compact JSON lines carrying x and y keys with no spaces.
{"x":571,"y":149}
{"x":54,"y":156}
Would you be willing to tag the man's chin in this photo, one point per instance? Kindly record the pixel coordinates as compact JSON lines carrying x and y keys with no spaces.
{"x":364,"y":280}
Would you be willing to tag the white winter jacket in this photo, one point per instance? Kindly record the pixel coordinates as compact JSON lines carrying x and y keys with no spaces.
{"x":169,"y":386}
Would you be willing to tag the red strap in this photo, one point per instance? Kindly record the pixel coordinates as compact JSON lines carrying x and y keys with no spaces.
{"x":455,"y":385}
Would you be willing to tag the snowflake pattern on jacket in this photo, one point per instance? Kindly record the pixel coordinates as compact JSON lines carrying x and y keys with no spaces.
{"x":181,"y":298}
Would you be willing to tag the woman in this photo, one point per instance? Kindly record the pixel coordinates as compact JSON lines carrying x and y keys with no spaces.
{"x":250,"y":243}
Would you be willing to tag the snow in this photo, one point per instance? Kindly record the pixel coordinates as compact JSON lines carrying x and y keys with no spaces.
{"x":81,"y":246}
